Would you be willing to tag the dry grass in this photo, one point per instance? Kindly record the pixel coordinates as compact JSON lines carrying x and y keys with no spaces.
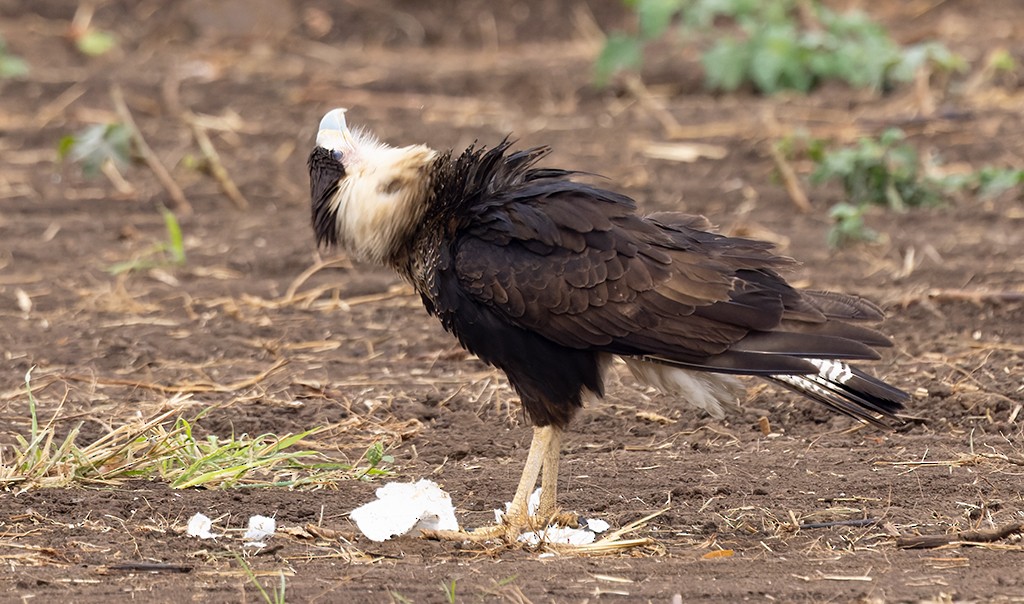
{"x":164,"y":445}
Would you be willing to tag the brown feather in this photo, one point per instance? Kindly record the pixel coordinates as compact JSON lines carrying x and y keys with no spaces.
{"x":544,"y":276}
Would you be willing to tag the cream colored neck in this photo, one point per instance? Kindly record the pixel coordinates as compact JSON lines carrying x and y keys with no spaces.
{"x":381,"y":200}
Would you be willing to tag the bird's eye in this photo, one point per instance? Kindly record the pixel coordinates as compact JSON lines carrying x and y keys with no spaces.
{"x":336,"y":155}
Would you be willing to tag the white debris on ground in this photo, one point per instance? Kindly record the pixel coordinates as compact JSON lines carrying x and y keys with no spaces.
{"x":260,"y":529}
{"x":563,"y":535}
{"x":402,"y":507}
{"x":532,"y":504}
{"x":558,"y":535}
{"x":199,"y":526}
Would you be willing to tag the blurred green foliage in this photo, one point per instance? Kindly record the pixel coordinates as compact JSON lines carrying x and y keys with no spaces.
{"x":989,"y":181}
{"x":376,"y":458}
{"x":162,"y":253}
{"x":775,"y":45}
{"x":97,"y":144}
{"x":11,"y":66}
{"x":95,"y":42}
{"x":883,"y":171}
{"x":887,"y":171}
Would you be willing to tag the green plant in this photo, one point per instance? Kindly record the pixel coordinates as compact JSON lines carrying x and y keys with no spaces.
{"x":36,"y":456}
{"x":95,"y":42}
{"x":175,"y":455}
{"x":89,"y":40}
{"x":887,"y":171}
{"x":162,"y":253}
{"x":275,"y":597}
{"x":988,"y":181}
{"x":883,"y":171}
{"x":11,"y":66}
{"x":375,"y":457}
{"x":848,"y":225}
{"x":107,"y":148}
{"x":189,"y":462}
{"x":449,"y":591}
{"x":1001,"y":61}
{"x":775,"y":44}
{"x":97,"y":145}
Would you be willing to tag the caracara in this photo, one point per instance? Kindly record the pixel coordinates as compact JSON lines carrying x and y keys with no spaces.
{"x":549,"y":279}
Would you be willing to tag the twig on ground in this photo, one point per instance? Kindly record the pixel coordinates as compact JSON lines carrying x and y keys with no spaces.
{"x":962,"y":295}
{"x":124,"y":188}
{"x":855,"y":523}
{"x":655,"y":107}
{"x":217,"y":169}
{"x":179,"y":202}
{"x":790,"y":179}
{"x":320,"y":264}
{"x":151,"y":567}
{"x":38,"y":384}
{"x":786,"y":171}
{"x":979,"y":536}
{"x":823,"y":577}
{"x":613,"y":541}
{"x":57,"y":106}
{"x":182,"y":388}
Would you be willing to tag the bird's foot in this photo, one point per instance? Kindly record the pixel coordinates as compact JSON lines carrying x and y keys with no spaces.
{"x":490,"y":533}
{"x":479,"y":535}
{"x":566,"y":519}
{"x":509,"y":529}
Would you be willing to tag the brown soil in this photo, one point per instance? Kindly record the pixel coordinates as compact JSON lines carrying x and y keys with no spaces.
{"x":353,"y":351}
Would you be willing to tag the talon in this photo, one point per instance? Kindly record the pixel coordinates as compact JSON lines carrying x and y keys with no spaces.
{"x":567,"y":519}
{"x":477,"y":535}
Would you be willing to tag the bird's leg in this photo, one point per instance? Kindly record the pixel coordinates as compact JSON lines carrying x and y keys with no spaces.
{"x":517,"y":517}
{"x":549,"y":475}
{"x":548,"y":511}
{"x":543,"y":457}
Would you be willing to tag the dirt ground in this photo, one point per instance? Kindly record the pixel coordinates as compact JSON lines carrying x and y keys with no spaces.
{"x":243,"y":333}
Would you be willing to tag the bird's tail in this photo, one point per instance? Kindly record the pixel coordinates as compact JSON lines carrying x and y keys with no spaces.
{"x":847,"y":390}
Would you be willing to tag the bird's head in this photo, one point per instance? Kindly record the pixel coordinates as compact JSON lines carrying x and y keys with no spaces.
{"x":367,"y":196}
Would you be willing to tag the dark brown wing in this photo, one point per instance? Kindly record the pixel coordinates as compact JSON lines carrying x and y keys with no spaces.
{"x":577,"y":266}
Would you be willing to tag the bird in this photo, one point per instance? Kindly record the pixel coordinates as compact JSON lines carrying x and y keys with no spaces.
{"x":550,"y":279}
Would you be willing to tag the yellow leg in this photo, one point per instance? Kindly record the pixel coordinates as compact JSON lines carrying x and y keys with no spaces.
{"x":542,"y":462}
{"x":549,"y":476}
{"x":518,"y":515}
